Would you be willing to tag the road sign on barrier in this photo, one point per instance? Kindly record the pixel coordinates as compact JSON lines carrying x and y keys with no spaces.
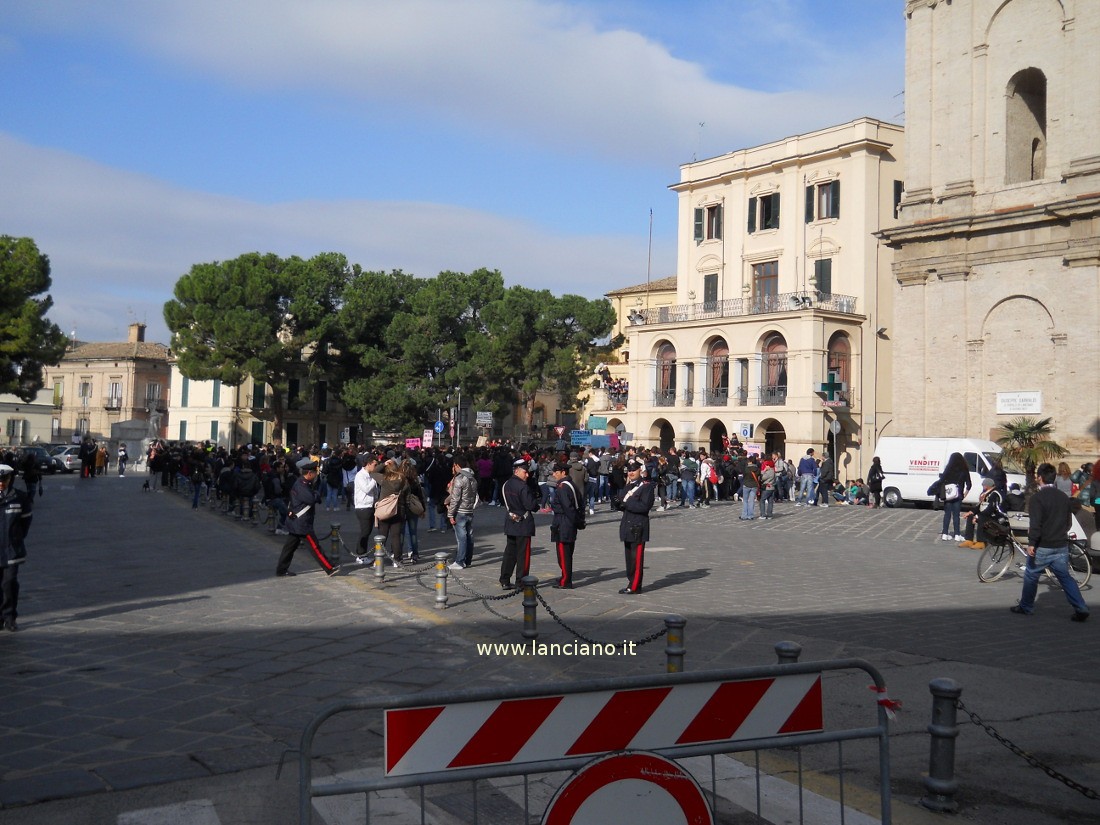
{"x":639,"y":788}
{"x":470,"y":734}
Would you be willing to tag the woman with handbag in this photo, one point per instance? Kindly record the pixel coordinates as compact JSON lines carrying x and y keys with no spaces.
{"x":389,"y":509}
{"x":954,"y":485}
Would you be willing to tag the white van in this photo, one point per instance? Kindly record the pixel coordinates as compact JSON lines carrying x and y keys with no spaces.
{"x":912,"y":464}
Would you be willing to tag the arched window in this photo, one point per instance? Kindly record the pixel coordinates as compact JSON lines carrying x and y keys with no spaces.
{"x":666,"y":376}
{"x":773,"y":377}
{"x":1026,"y":126}
{"x":838,"y":365}
{"x":718,"y":373}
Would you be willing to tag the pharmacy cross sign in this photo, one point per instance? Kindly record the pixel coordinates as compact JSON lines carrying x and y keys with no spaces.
{"x":833,"y":387}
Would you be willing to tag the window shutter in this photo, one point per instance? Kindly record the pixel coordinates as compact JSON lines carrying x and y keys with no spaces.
{"x":823,"y":276}
{"x":698,"y":225}
{"x":810,"y":203}
{"x":835,"y":187}
{"x":752,"y":215}
{"x":718,"y":217}
{"x":773,"y":223}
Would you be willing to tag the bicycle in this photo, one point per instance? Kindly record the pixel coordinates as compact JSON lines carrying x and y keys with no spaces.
{"x":1001,"y":549}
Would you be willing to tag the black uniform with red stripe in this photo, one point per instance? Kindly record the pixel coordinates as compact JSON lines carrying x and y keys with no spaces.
{"x":636,"y":503}
{"x":519,"y":526}
{"x":303,"y":502}
{"x":568,"y":507}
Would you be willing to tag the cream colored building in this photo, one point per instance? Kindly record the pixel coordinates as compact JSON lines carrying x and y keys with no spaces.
{"x":229,"y":416}
{"x":99,"y":385}
{"x":27,"y":422}
{"x":998,"y":251}
{"x":781,"y":285}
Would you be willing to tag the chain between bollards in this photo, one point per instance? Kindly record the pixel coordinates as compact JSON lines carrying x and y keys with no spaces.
{"x":940,"y":782}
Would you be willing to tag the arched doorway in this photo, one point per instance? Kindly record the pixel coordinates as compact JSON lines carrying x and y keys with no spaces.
{"x":775,"y":437}
{"x":663,"y":434}
{"x":714,"y":434}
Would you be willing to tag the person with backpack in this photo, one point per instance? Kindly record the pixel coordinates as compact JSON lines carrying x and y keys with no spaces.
{"x":689,"y":471}
{"x":333,"y":472}
{"x":569,"y":517}
{"x":750,"y":488}
{"x":246,"y":485}
{"x":875,"y":477}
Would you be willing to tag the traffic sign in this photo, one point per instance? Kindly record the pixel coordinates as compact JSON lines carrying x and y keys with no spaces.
{"x":640,"y":788}
{"x":439,"y":426}
{"x":560,"y":431}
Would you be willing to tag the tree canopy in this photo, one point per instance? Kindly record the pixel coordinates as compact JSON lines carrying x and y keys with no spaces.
{"x":391,"y":346}
{"x":28,"y":341}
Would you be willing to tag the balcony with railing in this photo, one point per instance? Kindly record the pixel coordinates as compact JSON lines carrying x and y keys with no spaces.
{"x":112,"y":402}
{"x":772,"y":396}
{"x":664,"y":398}
{"x":756,"y":305}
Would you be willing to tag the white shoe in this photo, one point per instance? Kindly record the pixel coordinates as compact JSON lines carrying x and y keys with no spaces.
{"x":959,"y":538}
{"x":454,"y":565}
{"x":281,"y":532}
{"x":797,"y":504}
{"x":591,"y":511}
{"x":823,"y":505}
{"x":945,"y":537}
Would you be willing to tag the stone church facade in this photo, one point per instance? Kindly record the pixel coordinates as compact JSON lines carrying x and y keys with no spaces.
{"x":998,"y":249}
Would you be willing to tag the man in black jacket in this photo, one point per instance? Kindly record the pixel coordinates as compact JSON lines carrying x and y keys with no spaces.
{"x":568,"y":507}
{"x":15,"y":522}
{"x":304,"y":499}
{"x":520,"y":505}
{"x":635,"y":503}
{"x":1048,"y":545}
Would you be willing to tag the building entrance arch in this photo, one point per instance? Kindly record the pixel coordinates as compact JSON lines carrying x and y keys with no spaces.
{"x":775,"y":436}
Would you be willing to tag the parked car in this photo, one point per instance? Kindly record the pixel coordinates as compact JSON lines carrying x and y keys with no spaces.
{"x":46,"y":463}
{"x":68,"y":457}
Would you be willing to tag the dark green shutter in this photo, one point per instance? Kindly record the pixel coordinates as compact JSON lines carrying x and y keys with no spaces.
{"x":718,"y":218}
{"x":752,"y":215}
{"x":810,"y":203}
{"x":773,"y":223}
{"x":698,"y":225}
{"x":835,"y":186}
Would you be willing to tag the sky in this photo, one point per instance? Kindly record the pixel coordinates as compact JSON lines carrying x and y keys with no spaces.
{"x":141,"y":137}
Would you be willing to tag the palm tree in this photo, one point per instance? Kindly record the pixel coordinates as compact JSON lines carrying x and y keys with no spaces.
{"x":1026,"y":442}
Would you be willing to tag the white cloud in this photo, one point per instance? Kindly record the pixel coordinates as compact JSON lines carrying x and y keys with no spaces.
{"x":118,"y":241}
{"x":544,"y":72}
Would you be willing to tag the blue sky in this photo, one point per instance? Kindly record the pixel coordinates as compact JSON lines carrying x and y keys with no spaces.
{"x":138,"y":137}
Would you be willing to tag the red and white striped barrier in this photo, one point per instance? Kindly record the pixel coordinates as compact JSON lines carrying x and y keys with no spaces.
{"x":514,"y":731}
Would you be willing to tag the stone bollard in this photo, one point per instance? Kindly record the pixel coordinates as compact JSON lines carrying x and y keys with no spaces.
{"x":530,"y":624}
{"x":940,"y":782}
{"x":674,"y":644}
{"x":441,"y":580}
{"x":787,"y":653}
{"x":379,"y":560}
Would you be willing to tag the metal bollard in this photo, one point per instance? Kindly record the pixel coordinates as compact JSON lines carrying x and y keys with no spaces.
{"x":441,"y":581}
{"x":379,"y":560}
{"x":788,"y":652}
{"x":334,"y":543}
{"x":530,"y":625}
{"x":940,"y":782}
{"x":674,"y":644}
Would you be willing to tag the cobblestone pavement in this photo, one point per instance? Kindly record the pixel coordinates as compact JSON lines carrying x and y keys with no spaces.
{"x":157,"y":648}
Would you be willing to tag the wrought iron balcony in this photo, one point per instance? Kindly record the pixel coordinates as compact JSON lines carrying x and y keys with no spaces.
{"x":773,"y":396}
{"x":664,"y":398}
{"x":757,"y":305}
{"x":716,"y":397}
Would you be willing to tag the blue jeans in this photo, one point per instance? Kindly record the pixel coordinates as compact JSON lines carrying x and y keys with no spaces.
{"x":688,"y":491}
{"x":748,"y":508}
{"x":1057,"y":559}
{"x":604,"y":490}
{"x":591,"y":486}
{"x":332,"y":496}
{"x":805,"y":488}
{"x":672,"y":488}
{"x":767,"y":502}
{"x":410,"y":533}
{"x":464,"y":536}
{"x":951,"y":511}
